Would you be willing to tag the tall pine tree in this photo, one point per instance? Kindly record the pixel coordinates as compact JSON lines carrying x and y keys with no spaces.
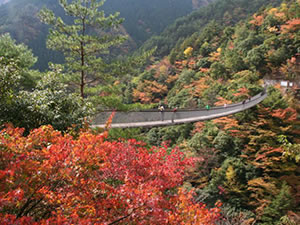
{"x":84,"y":40}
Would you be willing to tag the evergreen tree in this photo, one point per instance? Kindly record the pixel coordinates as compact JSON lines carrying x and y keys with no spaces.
{"x":278,"y":207}
{"x":84,"y":41}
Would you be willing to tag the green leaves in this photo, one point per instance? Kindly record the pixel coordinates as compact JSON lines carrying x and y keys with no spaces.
{"x":15,"y":61}
{"x":49,"y":103}
{"x":84,"y":41}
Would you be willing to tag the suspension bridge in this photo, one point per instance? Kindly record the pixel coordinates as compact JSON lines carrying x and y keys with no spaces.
{"x":167,"y":117}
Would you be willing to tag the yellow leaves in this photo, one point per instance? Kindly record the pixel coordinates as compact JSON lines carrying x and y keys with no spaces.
{"x":283,"y":6}
{"x":272,"y":11}
{"x":260,"y":188}
{"x":156,"y":87}
{"x":230,"y":174}
{"x":279,"y":14}
{"x":163,"y":69}
{"x":215,"y":56}
{"x":117,"y":82}
{"x":272,"y":29}
{"x":260,"y":185}
{"x":86,"y":210}
{"x":188,"y":52}
{"x":231,"y":180}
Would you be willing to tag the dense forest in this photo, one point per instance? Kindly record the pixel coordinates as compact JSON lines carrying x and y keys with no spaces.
{"x":240,"y":169}
{"x":142,"y":19}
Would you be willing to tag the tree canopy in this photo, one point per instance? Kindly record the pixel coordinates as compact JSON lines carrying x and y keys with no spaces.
{"x":84,"y":40}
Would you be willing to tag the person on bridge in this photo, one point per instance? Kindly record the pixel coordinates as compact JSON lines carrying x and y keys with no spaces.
{"x":173,"y":115}
{"x":207,"y":107}
{"x":161,"y":108}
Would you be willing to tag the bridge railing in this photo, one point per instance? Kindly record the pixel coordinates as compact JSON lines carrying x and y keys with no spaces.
{"x":155,"y":117}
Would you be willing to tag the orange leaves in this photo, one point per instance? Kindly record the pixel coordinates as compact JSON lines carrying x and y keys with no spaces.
{"x":227,"y":123}
{"x":291,"y":25}
{"x":242,"y":92}
{"x":172,"y":79}
{"x":259,"y":188}
{"x":288,"y":114}
{"x":149,"y":91}
{"x":257,"y":20}
{"x":197,"y":87}
{"x":161,"y":68}
{"x":198,"y":127}
{"x":90,"y":181}
{"x":268,"y":153}
{"x":231,"y":45}
{"x":189,"y":213}
{"x":222,"y":101}
{"x":204,"y":70}
{"x":108,"y":123}
{"x":291,"y":68}
{"x":215,"y":56}
{"x":180,"y":65}
{"x":190,"y":64}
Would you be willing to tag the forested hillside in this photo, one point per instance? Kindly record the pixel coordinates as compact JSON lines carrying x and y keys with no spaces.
{"x":142,"y":20}
{"x":250,"y":160}
{"x":223,"y":11}
{"x":240,"y":169}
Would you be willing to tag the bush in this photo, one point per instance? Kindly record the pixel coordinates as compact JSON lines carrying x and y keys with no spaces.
{"x":49,"y":103}
{"x":52,"y":178}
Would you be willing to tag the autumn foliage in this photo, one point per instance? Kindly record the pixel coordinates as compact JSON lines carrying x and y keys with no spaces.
{"x":50,"y":178}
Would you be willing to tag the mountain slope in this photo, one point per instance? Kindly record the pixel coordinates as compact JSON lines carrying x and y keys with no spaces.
{"x":224,"y":11}
{"x":142,"y":20}
{"x":249,"y":161}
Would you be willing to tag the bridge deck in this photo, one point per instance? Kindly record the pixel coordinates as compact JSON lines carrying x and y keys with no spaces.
{"x":149,"y":118}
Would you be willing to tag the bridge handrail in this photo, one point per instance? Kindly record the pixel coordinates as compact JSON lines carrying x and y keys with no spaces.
{"x":172,"y":117}
{"x":253,"y":98}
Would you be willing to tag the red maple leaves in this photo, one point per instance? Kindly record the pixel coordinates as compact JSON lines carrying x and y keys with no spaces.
{"x":55,"y":179}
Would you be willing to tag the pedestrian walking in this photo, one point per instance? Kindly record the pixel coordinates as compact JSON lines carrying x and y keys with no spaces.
{"x":173,"y":115}
{"x":161,"y":108}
